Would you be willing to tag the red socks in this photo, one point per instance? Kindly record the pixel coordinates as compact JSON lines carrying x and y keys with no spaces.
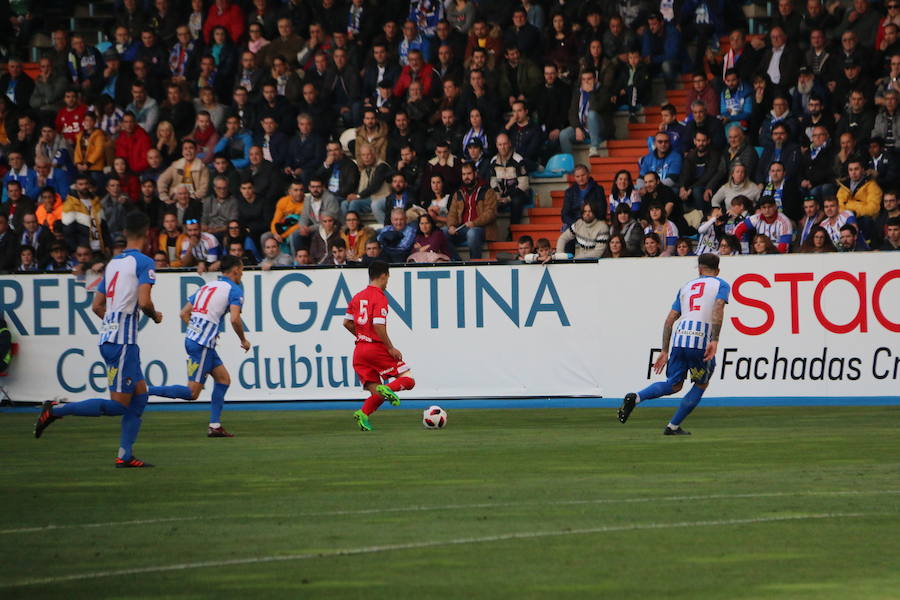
{"x":371,"y":404}
{"x":402,"y":383}
{"x":375,"y":400}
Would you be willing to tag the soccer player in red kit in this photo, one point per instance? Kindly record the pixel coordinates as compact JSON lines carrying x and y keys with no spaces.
{"x":375,"y":358}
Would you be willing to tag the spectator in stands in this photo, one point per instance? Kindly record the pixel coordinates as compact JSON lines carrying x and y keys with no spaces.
{"x":82,"y":217}
{"x":770,"y":222}
{"x":184,"y":206}
{"x":288,"y":209}
{"x":518,"y":77}
{"x":812,"y":215}
{"x":318,"y":202}
{"x":416,"y":70}
{"x":782,"y":190}
{"x":509,"y":178}
{"x":703,"y":171}
{"x":199,"y":249}
{"x":783,"y":150}
{"x":431,"y":243}
{"x":22,"y":174}
{"x":780,"y":63}
{"x":143,"y":107}
{"x":623,"y":192}
{"x":398,"y":238}
{"x":339,"y":172}
{"x":670,"y":124}
{"x":661,"y":46}
{"x":835,"y":218}
{"x":882,"y":165}
{"x":49,"y":88}
{"x":275,"y":107}
{"x":49,"y":211}
{"x":892,"y":238}
{"x":132,"y":143}
{"x":85,"y":64}
{"x":306,"y":151}
{"x":355,"y":236}
{"x":817,"y":165}
{"x":272,"y":254}
{"x":659,"y":224}
{"x":626,"y":225}
{"x":859,"y":193}
{"x":473,"y":213}
{"x":55,"y":148}
{"x":447,"y":129}
{"x":816,"y":242}
{"x":652,"y":247}
{"x":552,"y":106}
{"x":116,"y":204}
{"x":887,"y":122}
{"x":400,"y":196}
{"x":890,"y":208}
{"x":90,"y":143}
{"x":373,"y":132}
{"x":524,"y":135}
{"x":663,"y":161}
{"x":220,"y":208}
{"x":583,"y":190}
{"x":206,"y":137}
{"x":851,"y":241}
{"x":737,"y":185}
{"x":701,"y":121}
{"x":857,"y":118}
{"x":632,"y":84}
{"x":806,"y":89}
{"x":17,"y":204}
{"x":59,"y":262}
{"x":585,"y":122}
{"x":188,"y":170}
{"x":36,"y":237}
{"x":780,"y":114}
{"x":815,"y":115}
{"x":762,"y":244}
{"x":481,"y":35}
{"x":702,"y":91}
{"x":590,"y":234}
{"x":735,"y":101}
{"x":616,"y":247}
{"x":373,"y":185}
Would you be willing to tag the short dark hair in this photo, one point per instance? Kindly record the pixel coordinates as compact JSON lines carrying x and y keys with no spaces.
{"x":229,"y":262}
{"x":136,"y":224}
{"x":850,"y":227}
{"x":709,"y":261}
{"x":337,"y":243}
{"x":526,"y":239}
{"x":377,"y":269}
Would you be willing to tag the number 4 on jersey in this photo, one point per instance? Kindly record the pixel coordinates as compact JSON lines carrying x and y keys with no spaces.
{"x":111,"y":288}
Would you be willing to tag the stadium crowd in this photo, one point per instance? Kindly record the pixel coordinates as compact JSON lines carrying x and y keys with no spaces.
{"x":276,"y":130}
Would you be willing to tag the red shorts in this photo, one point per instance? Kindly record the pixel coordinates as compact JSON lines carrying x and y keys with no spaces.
{"x":373,"y":364}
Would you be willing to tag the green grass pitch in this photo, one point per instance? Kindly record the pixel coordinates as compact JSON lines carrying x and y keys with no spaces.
{"x":797,"y":503}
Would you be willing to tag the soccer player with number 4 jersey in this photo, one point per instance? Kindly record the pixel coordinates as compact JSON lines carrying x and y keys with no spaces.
{"x":696,"y":316}
{"x":123,"y":293}
{"x":375,"y":358}
{"x":203,"y":314}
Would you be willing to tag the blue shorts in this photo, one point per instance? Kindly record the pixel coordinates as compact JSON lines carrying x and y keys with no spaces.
{"x":123,"y":366}
{"x":685,"y":361}
{"x":201,"y":360}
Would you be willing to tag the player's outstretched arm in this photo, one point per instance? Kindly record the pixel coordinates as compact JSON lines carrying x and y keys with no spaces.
{"x":99,"y":304}
{"x":381,"y":331}
{"x":663,"y":358}
{"x":718,"y":317}
{"x":238,"y":327}
{"x":145,"y":301}
{"x":350,"y":325}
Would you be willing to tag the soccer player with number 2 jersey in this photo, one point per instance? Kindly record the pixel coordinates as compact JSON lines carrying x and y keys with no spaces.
{"x":375,"y":358}
{"x":122,"y":295}
{"x":699,"y":309}
{"x":203,"y":314}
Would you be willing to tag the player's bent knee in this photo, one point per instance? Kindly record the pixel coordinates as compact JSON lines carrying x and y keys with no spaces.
{"x":677,"y":387}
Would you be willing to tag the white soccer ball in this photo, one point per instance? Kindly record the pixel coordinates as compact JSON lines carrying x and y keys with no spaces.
{"x":434,"y":417}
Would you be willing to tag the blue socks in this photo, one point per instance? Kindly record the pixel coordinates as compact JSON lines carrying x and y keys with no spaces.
{"x":95,"y":407}
{"x":171,"y":391}
{"x":131,"y":424}
{"x":655,"y":390}
{"x":689,"y":403}
{"x":218,"y":403}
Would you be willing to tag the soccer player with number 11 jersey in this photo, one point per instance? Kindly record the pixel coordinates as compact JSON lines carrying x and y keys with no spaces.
{"x":203,"y":314}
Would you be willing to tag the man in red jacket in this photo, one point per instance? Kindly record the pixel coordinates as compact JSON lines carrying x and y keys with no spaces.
{"x":416,"y":70}
{"x":228,"y":15}
{"x":133,"y":143}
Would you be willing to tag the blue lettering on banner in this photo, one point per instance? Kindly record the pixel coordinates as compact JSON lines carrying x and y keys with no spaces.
{"x":433,"y":277}
{"x":79,"y":308}
{"x":257,"y":305}
{"x":8,"y":309}
{"x":555,"y":305}
{"x":341,"y":292}
{"x":405,"y":313}
{"x":60,"y":371}
{"x":98,"y":373}
{"x":312,"y":307}
{"x":41,"y":304}
{"x":164,"y":372}
{"x":460,"y":299}
{"x":510,"y":309}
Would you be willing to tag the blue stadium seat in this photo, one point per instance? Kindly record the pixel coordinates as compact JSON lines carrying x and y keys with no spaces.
{"x":558,"y":165}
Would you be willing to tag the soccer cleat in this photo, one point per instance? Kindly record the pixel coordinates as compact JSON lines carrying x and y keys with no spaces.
{"x":45,"y":418}
{"x":677,"y":431}
{"x":132,"y":463}
{"x":628,"y":404}
{"x":218,"y":432}
{"x":388,"y":394}
{"x":362,"y":419}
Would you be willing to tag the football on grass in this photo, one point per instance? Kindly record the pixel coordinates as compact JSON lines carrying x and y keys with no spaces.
{"x":434,"y":417}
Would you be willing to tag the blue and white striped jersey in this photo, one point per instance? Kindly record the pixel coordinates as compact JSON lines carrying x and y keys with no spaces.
{"x":124,"y":274}
{"x":211,"y":302}
{"x":695,"y":301}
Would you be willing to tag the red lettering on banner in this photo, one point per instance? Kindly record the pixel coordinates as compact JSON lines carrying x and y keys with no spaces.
{"x":753,"y":303}
{"x":794,"y":279}
{"x":876,"y":301}
{"x":860,"y":319}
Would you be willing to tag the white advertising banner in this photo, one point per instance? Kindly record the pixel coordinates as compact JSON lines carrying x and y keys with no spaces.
{"x":809,"y":326}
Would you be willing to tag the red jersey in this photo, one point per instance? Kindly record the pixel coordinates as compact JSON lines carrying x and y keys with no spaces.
{"x":368,"y":308}
{"x":68,"y":122}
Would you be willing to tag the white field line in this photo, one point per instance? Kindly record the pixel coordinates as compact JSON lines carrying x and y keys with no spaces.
{"x":411,"y":509}
{"x":523,"y":535}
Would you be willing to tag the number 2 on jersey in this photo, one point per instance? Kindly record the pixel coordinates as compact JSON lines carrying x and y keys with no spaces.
{"x":699,"y":287}
{"x":204,"y":295}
